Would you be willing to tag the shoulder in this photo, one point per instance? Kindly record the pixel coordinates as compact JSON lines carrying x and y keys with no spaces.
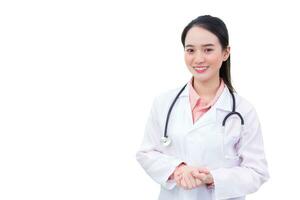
{"x":245,"y":107}
{"x":162,"y":102}
{"x":165,"y":98}
{"x":243,"y":104}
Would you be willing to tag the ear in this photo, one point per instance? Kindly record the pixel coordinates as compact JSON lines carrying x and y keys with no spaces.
{"x":226,"y":53}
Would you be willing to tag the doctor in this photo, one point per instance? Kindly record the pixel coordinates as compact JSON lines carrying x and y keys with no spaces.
{"x":200,"y":156}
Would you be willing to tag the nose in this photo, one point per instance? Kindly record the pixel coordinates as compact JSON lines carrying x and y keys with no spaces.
{"x":199,"y":57}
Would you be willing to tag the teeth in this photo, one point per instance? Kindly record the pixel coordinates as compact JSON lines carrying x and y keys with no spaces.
{"x":201,"y":68}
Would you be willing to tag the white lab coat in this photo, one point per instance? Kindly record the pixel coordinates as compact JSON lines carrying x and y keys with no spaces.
{"x":234,"y":154}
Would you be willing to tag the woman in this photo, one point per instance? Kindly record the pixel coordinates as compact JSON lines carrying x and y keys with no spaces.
{"x":204,"y":156}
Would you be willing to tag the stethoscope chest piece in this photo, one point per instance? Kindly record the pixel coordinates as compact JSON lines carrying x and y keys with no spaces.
{"x":165,"y":141}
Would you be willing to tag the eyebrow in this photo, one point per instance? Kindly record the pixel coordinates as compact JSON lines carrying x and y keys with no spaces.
{"x":204,"y":45}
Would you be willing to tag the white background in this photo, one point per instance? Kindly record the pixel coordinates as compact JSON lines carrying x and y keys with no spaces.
{"x":77,"y":79}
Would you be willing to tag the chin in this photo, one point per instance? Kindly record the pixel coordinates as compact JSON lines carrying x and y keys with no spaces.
{"x":201,"y":78}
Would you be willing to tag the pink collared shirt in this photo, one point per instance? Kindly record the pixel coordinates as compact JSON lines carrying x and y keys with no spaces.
{"x":198,"y":106}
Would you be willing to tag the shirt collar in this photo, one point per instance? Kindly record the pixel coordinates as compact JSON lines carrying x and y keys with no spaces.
{"x":196,"y":100}
{"x":223,"y":102}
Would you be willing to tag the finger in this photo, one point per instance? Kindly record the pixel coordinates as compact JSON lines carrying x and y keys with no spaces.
{"x":179,"y":175}
{"x":195,"y":173}
{"x":204,"y":178}
{"x":198,"y":175}
{"x":209,"y":179}
{"x":183,"y":183}
{"x":201,"y":176}
{"x":198,"y":182}
{"x":178,"y":180}
{"x":192,"y":180}
{"x":203,"y":170}
{"x":177,"y":172}
{"x":188,"y":182}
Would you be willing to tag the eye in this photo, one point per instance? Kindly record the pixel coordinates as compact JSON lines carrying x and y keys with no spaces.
{"x":189,"y":50}
{"x":208,"y":50}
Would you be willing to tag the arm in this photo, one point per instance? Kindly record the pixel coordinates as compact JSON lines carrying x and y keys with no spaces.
{"x":252,"y":172}
{"x":157,"y":165}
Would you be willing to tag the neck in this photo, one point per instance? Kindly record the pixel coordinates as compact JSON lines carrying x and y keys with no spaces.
{"x":207,"y":89}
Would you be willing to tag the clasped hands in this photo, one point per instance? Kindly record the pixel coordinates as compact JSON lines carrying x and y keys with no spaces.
{"x":189,"y":177}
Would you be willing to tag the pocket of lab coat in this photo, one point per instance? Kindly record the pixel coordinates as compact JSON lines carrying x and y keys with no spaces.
{"x":229,"y":147}
{"x":231,"y":136}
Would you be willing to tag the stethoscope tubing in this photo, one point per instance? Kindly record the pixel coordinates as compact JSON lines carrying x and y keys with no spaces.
{"x":165,"y":138}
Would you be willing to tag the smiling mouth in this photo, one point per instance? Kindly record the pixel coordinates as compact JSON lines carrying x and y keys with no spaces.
{"x":200,"y":69}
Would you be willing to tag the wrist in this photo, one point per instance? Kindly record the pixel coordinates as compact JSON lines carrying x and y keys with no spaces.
{"x":172,"y":176}
{"x":180,"y":165}
{"x":210,"y":186}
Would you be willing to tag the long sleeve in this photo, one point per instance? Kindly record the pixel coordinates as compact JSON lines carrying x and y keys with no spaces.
{"x":252,"y":172}
{"x":158,"y":165}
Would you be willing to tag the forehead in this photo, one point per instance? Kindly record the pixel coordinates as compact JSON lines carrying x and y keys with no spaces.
{"x":198,"y":36}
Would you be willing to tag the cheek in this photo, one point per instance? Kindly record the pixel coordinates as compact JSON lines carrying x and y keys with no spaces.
{"x":215,"y":60}
{"x":187,"y":59}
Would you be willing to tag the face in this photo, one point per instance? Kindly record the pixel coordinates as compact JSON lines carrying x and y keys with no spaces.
{"x":203,"y":54}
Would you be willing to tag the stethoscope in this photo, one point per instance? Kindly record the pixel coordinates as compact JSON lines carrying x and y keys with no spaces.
{"x":166,"y":141}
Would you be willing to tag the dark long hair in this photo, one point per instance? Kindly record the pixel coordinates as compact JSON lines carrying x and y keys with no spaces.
{"x":218,"y":28}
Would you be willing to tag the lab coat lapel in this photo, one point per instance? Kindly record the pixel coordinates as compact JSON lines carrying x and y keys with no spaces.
{"x":187,"y":108}
{"x":208,"y":118}
{"x":225,"y":101}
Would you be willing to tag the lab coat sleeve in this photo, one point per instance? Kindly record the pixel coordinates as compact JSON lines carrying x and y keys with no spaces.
{"x":158,"y":165}
{"x":252,"y":172}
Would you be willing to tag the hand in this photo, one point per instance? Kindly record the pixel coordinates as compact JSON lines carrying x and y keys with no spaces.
{"x":204,"y":175}
{"x":184,"y":178}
